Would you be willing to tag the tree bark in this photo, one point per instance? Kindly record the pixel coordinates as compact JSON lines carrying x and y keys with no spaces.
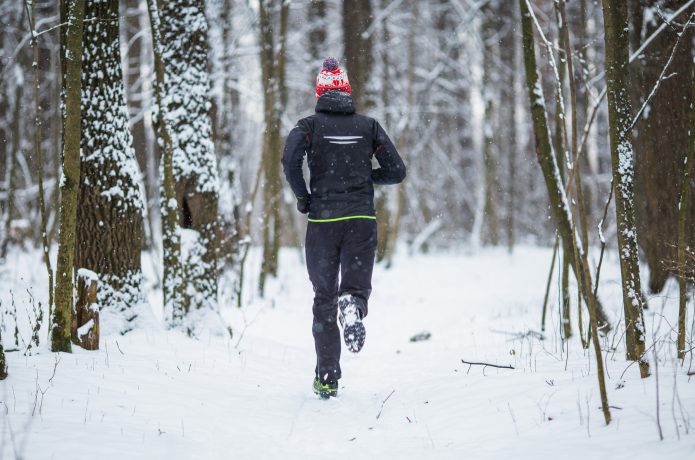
{"x":3,"y":364}
{"x":184,"y":32}
{"x":11,"y":170}
{"x":273,"y":75}
{"x":110,"y":216}
{"x":71,"y":62}
{"x":490,"y":29}
{"x":661,"y":140}
{"x":173,"y":281}
{"x":685,"y":222}
{"x":359,"y":58}
{"x":622,"y":160}
{"x":85,"y":321}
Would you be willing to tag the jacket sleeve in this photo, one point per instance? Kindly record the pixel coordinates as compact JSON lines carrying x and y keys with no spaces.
{"x":391,"y":169}
{"x":296,"y":146}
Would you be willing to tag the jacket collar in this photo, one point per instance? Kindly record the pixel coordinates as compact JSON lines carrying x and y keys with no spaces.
{"x":335,"y":102}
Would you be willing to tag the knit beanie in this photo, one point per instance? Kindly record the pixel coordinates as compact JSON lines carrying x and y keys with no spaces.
{"x":332,"y":77}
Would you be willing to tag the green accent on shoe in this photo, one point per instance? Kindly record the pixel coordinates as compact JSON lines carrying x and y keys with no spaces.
{"x":325,"y":390}
{"x":337,"y":219}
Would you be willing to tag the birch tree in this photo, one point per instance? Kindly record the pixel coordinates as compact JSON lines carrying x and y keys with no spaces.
{"x":622,"y":161}
{"x":184,"y":31}
{"x":110,"y":212}
{"x":70,"y":184}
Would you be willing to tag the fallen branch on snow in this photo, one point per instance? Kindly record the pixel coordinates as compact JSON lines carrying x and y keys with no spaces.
{"x":471,"y":364}
{"x":383,"y":403}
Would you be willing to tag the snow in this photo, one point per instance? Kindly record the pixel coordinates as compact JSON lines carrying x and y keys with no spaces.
{"x":85,"y":328}
{"x":88,"y":275}
{"x":156,"y":393}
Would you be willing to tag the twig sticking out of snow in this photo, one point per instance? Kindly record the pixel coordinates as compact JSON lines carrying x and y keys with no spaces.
{"x":383,"y":403}
{"x":471,"y":364}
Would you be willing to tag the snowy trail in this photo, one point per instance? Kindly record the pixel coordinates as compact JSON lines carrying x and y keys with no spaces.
{"x":159,"y":394}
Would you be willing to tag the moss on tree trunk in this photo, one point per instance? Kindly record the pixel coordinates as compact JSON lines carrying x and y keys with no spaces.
{"x":70,"y":185}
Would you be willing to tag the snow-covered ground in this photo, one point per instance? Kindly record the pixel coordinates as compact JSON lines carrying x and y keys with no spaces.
{"x":159,"y":394}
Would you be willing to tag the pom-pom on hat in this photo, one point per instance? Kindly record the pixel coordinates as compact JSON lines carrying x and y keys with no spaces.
{"x":332,"y":78}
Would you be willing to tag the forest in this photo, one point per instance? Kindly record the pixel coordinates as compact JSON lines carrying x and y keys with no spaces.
{"x":533,"y":288}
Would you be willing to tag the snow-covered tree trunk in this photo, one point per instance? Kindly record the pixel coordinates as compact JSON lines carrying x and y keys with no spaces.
{"x":61,"y":320}
{"x":173,"y":281}
{"x":184,"y":32}
{"x":110,"y":212}
{"x":622,"y":156}
{"x":558,"y":199}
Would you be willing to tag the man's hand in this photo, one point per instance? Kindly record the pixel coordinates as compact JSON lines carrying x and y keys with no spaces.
{"x":303,"y":204}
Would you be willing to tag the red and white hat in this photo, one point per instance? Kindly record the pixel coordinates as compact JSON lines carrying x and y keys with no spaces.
{"x":332,"y":78}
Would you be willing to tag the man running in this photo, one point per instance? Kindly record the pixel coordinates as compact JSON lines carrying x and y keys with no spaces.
{"x":341,"y":233}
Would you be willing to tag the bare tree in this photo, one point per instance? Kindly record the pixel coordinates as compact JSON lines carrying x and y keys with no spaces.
{"x":558,"y":199}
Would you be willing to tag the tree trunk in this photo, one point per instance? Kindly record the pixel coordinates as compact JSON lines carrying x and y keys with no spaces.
{"x":273,"y":76}
{"x":173,"y":283}
{"x":685,"y":222}
{"x":491,"y":99}
{"x":661,"y":141}
{"x":110,"y":216}
{"x":359,"y":59}
{"x":185,"y":51}
{"x":509,"y":46}
{"x":317,"y":30}
{"x":620,"y":118}
{"x":38,"y":153}
{"x":559,"y":205}
{"x":85,"y":321}
{"x":11,"y":170}
{"x":558,"y":198}
{"x":71,"y":60}
{"x":3,"y":364}
{"x":394,"y":224}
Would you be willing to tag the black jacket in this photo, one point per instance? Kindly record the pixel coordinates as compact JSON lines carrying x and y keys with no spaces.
{"x":339,"y":145}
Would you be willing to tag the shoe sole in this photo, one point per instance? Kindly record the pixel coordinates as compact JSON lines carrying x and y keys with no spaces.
{"x":325,"y":394}
{"x":354,"y":335}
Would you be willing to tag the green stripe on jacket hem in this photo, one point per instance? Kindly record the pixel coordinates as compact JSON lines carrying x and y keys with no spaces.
{"x":342,"y":218}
